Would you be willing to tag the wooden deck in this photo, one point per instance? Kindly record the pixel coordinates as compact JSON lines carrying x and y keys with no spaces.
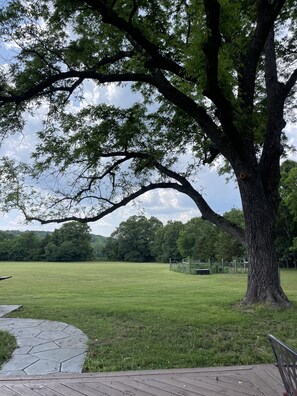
{"x":228,"y":381}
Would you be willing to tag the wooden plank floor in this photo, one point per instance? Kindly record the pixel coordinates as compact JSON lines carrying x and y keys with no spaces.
{"x":229,"y":381}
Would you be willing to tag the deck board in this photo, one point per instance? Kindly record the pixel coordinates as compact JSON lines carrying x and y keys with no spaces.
{"x":262,"y":380}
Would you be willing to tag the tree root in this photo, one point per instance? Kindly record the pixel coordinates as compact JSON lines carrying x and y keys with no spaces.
{"x":271,"y":298}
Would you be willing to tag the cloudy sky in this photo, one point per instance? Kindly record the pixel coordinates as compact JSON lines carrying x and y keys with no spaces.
{"x":164,"y":204}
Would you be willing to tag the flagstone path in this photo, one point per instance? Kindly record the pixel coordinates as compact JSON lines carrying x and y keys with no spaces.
{"x":43,"y":346}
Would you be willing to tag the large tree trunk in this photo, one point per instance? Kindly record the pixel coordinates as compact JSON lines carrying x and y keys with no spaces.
{"x":263,"y":276}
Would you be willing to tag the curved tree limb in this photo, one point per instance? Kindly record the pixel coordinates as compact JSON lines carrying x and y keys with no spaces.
{"x":180,"y":184}
{"x":206,"y":211}
{"x":48,"y":83}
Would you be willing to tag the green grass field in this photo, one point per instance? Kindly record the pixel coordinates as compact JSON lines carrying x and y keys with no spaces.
{"x":142,"y":316}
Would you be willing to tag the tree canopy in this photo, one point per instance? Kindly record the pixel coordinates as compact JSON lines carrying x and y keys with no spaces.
{"x":165,"y":247}
{"x":72,"y":242}
{"x":286,"y":229}
{"x":133,"y":240}
{"x":216,"y":82}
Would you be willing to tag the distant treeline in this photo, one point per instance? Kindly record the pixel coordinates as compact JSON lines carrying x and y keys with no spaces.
{"x":140,"y":239}
{"x":72,"y":242}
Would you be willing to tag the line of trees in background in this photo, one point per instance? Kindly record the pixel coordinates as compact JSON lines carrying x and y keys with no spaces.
{"x":72,"y":242}
{"x":141,"y":239}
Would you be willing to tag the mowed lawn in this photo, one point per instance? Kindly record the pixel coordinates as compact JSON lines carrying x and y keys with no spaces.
{"x":142,"y":316}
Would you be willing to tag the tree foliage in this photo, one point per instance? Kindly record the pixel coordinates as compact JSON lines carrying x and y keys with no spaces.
{"x":133,"y":240}
{"x":226,"y":247}
{"x":72,"y":242}
{"x":217,"y":79}
{"x":25,"y":247}
{"x":197,"y":240}
{"x":286,"y":230}
{"x":165,"y":246}
{"x":201,"y":240}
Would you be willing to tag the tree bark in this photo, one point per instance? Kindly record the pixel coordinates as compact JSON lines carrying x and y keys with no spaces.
{"x":263,"y":272}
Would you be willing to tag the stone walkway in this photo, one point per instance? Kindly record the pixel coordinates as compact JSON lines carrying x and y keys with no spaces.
{"x":43,"y":346}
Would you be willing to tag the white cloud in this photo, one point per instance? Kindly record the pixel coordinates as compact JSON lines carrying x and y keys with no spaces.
{"x":112,"y":92}
{"x":14,"y":220}
{"x":92,"y":94}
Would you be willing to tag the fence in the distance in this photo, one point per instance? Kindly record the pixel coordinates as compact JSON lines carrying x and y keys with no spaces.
{"x":194,"y":267}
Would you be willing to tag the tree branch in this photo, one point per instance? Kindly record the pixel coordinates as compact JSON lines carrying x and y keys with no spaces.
{"x":108,"y":171}
{"x":121,"y":203}
{"x":272,"y":149}
{"x":181,"y":184}
{"x":271,"y":78}
{"x":190,"y":107}
{"x":208,"y":214}
{"x":225,"y":110}
{"x":206,"y":211}
{"x":212,"y":46}
{"x":290,"y":83}
{"x":267,"y":13}
{"x":115,"y":58}
{"x":39,"y":88}
{"x":111,"y":17}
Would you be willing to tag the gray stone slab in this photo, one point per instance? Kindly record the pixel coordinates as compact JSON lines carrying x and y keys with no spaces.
{"x":48,"y":325}
{"x":21,"y":323}
{"x":52,"y":335}
{"x":43,"y":367}
{"x":19,"y":362}
{"x":13,"y":373}
{"x":6,"y":327}
{"x":30,"y":341}
{"x":71,"y":342}
{"x":60,"y":355}
{"x":22,"y":350}
{"x":5,"y":309}
{"x":48,"y":346}
{"x":74,"y":331}
{"x":74,"y":365}
{"x":28,"y":332}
